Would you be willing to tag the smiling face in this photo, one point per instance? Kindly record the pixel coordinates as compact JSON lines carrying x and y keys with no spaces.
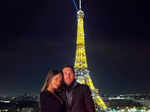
{"x":68,"y":75}
{"x":56,"y":81}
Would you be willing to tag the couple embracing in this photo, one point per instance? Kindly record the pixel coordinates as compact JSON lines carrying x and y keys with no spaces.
{"x":62,"y":93}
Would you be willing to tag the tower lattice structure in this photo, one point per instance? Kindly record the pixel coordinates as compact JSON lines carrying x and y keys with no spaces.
{"x":80,"y":65}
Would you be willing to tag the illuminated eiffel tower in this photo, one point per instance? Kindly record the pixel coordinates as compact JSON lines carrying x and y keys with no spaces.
{"x":80,"y":65}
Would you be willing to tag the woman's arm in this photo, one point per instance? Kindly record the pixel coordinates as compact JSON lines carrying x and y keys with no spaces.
{"x":43,"y":103}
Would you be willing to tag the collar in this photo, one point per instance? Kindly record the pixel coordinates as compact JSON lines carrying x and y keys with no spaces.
{"x":73,"y":85}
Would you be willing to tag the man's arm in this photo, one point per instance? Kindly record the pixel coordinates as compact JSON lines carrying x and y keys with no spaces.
{"x":89,"y":104}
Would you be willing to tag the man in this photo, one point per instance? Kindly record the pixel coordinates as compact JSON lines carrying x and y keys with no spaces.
{"x":77,"y":96}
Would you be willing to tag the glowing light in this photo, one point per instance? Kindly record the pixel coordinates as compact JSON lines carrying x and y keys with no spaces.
{"x":80,"y":65}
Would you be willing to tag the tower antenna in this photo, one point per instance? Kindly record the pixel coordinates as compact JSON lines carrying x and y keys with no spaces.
{"x":80,"y":4}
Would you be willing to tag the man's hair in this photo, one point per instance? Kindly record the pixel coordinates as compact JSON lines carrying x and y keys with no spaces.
{"x":68,"y":66}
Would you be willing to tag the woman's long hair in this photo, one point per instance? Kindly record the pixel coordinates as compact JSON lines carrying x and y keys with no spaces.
{"x":49,"y":77}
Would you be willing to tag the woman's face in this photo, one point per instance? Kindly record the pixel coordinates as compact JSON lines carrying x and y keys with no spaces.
{"x":56,"y":81}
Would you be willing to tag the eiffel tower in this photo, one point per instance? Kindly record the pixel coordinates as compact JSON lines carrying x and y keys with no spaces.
{"x":80,"y":65}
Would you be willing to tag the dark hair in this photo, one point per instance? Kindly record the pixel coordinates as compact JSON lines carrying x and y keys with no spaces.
{"x":48,"y":78}
{"x":68,"y":66}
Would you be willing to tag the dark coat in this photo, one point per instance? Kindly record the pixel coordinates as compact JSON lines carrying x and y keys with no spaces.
{"x":50,"y":103}
{"x":81,"y":99}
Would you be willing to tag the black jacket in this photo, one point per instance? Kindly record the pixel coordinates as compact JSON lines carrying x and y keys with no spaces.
{"x":78,"y":98}
{"x":50,"y":103}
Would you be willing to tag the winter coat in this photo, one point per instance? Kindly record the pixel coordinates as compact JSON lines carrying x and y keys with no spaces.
{"x":50,"y":103}
{"x":78,"y":98}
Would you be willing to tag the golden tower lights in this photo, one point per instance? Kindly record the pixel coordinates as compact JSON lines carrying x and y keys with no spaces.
{"x":80,"y":65}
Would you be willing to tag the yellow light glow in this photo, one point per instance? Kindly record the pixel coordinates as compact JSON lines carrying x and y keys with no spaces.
{"x":81,"y":60}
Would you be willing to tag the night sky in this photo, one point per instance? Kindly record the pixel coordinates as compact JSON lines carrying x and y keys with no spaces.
{"x":38,"y":35}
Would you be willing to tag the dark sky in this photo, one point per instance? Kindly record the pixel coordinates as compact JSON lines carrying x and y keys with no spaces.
{"x":38,"y":35}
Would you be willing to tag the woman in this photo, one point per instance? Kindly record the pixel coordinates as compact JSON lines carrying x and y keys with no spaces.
{"x":49,"y":101}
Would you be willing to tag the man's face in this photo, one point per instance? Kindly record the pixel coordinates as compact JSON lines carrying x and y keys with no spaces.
{"x":69,"y":75}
